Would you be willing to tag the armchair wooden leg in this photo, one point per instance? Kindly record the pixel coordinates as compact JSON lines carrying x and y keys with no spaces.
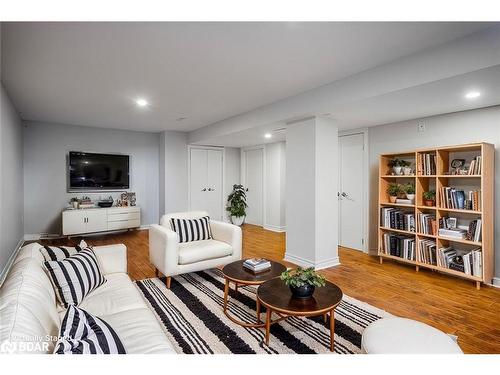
{"x":167,"y":281}
{"x":156,"y":272}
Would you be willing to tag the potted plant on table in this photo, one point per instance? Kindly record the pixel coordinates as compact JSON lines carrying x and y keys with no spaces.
{"x":302,"y":282}
{"x":237,"y":204}
{"x":393,"y":190}
{"x":430,"y":198}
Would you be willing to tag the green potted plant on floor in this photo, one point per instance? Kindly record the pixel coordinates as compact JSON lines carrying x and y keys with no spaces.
{"x":237,"y":204}
{"x":302,"y":282}
{"x":393,"y":189}
{"x":430,"y":198}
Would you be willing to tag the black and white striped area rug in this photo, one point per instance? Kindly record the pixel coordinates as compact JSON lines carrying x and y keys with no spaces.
{"x":191,"y":312}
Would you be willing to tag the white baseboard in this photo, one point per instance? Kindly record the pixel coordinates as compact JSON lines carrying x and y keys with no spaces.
{"x":12,"y":257}
{"x":144,"y":227}
{"x":275,"y":228}
{"x":496,"y":282}
{"x":308,"y":263}
{"x":32,"y":237}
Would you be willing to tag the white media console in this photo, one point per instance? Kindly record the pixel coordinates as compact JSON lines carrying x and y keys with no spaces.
{"x":91,"y":220}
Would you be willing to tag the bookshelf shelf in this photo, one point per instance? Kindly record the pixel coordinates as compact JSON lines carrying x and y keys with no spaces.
{"x":480,"y":158}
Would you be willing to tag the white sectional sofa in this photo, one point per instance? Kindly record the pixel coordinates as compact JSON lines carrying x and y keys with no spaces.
{"x":30,"y":317}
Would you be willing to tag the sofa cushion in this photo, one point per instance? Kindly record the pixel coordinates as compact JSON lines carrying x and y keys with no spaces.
{"x":75,"y":276}
{"x":83,"y":333}
{"x":28,"y":308}
{"x":116,"y":295}
{"x":61,"y":252}
{"x":192,"y":229}
{"x":197,"y":251}
{"x":140,"y":332}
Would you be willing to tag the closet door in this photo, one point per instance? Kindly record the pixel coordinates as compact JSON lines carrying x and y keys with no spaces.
{"x":254,"y":181}
{"x":198,"y":180}
{"x":214,"y":184}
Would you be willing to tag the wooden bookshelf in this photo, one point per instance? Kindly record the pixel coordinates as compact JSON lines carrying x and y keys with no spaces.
{"x":442,"y":178}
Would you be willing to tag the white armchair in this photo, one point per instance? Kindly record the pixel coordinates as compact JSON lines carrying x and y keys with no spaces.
{"x":172,"y":258}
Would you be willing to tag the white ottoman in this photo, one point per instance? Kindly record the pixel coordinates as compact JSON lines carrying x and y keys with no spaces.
{"x":406,"y":336}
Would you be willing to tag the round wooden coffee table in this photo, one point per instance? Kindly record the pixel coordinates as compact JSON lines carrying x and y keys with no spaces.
{"x":276,"y":296}
{"x":239,"y":275}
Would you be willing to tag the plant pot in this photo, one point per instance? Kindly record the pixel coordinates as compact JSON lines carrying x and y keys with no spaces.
{"x":429,"y":203}
{"x":410,"y":196}
{"x":237,"y":220}
{"x":75,"y":205}
{"x":406,"y":171}
{"x":304,"y":291}
{"x":392,"y":198}
{"x":397,"y":170}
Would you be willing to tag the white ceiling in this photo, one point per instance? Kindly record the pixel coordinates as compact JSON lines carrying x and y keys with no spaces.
{"x":90,"y":73}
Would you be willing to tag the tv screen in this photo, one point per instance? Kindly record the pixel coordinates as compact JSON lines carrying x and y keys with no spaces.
{"x":88,"y":171}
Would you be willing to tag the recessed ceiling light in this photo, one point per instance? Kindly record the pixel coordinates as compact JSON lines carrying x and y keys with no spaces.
{"x":142,"y":102}
{"x":268,"y":135}
{"x":473,"y":95}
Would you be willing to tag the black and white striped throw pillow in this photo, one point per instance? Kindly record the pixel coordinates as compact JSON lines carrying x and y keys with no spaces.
{"x":61,"y":252}
{"x":75,"y":277}
{"x":192,"y":229}
{"x":82,"y":333}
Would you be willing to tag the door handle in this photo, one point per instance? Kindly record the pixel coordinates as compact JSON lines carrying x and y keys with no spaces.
{"x":204,"y":189}
{"x":210,"y":189}
{"x":344,"y":195}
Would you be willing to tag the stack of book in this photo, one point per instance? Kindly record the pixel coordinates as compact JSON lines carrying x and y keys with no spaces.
{"x":474,"y":231}
{"x":397,"y":219}
{"x":453,"y":233}
{"x":427,"y":224}
{"x":427,"y":252}
{"x":475,"y":166}
{"x":450,"y":197}
{"x":399,"y":246}
{"x":426,"y":164}
{"x":469,"y":262}
{"x":473,"y":262}
{"x":257,"y":265}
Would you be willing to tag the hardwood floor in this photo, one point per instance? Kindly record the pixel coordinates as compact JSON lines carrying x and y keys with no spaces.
{"x":450,"y":304}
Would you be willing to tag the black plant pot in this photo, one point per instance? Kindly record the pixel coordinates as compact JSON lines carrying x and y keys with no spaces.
{"x":304,"y":291}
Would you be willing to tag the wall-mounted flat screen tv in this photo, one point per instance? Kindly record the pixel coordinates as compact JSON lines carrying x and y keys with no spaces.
{"x":89,"y":171}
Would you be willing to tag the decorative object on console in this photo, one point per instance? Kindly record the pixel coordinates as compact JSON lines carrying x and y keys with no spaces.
{"x":74,"y":202}
{"x":105,"y":203}
{"x":75,"y":277}
{"x":131,"y":198}
{"x":93,"y":336}
{"x":86,"y":202}
{"x":302,"y":282}
{"x":237,"y":204}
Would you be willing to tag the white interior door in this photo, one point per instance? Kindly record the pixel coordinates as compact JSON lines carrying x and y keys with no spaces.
{"x":351,"y":191}
{"x":214,"y":184}
{"x":198,"y":180}
{"x":254,"y":182}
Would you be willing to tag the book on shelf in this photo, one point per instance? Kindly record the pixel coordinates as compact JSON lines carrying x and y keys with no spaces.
{"x":396,"y":218}
{"x":257,"y":264}
{"x":453,"y":233}
{"x":426,"y":164}
{"x":474,"y":231}
{"x":427,"y":252}
{"x":468,"y":262}
{"x":475,"y":166}
{"x":405,"y":201}
{"x":427,"y":224}
{"x":399,"y":246}
{"x":450,"y":197}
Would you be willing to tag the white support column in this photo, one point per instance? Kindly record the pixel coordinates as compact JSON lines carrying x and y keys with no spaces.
{"x":311,"y":193}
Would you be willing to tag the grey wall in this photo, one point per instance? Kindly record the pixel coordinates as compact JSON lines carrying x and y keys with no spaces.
{"x":11,"y":180}
{"x":481,"y":125}
{"x":45,"y":189}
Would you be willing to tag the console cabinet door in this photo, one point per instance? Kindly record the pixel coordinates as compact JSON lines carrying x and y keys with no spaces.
{"x":97,"y":220}
{"x":74,"y":222}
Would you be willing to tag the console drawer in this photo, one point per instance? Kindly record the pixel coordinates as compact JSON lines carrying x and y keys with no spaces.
{"x":124,"y":224}
{"x":124,"y":216}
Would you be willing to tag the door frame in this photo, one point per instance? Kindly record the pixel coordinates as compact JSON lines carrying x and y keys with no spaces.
{"x":366,"y":180}
{"x":216,"y":148}
{"x":243,"y":170}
